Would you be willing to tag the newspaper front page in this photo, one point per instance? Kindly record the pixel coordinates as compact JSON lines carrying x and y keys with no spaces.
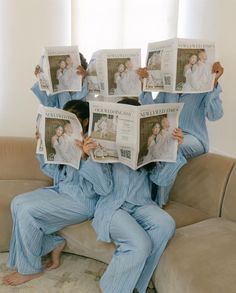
{"x":59,"y":70}
{"x":117,"y":73}
{"x":180,"y":65}
{"x":133,"y":135}
{"x":58,"y":131}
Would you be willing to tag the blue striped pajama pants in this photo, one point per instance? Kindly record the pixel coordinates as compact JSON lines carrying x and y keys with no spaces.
{"x":36,"y":216}
{"x":141,"y":234}
{"x":190,"y":148}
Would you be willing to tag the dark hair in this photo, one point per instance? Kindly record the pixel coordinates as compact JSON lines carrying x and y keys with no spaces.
{"x":134,"y":101}
{"x":78,"y":107}
{"x":130,"y":101}
{"x":83,"y":61}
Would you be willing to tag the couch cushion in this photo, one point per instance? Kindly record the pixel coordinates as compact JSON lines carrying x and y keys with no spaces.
{"x":184,"y":215}
{"x":229,"y":203}
{"x":201,"y":258}
{"x":81,"y":240}
{"x":201,"y":183}
{"x":8,"y":190}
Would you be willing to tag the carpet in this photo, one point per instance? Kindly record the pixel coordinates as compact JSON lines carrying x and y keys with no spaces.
{"x":76,"y":274}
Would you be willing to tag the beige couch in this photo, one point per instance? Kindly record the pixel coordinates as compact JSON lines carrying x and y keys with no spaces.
{"x":201,"y":257}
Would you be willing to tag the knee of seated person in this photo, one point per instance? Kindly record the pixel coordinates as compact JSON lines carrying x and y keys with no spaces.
{"x":167,"y":225}
{"x":16,"y":202}
{"x":19,"y":205}
{"x":143,"y":246}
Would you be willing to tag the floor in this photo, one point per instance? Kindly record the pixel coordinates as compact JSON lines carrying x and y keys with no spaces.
{"x":75,"y":275}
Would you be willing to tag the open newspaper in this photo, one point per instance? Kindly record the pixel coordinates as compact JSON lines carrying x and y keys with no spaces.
{"x":180,"y":65}
{"x":117,"y":73}
{"x":92,"y":78}
{"x":59,"y":69}
{"x":134,"y":135}
{"x":58,"y":130}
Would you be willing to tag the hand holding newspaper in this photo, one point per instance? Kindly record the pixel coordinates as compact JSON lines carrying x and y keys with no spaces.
{"x":58,"y":131}
{"x":134,"y":135}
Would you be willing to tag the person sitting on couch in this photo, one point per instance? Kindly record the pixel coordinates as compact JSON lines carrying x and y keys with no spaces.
{"x":192,"y":121}
{"x":38,"y":214}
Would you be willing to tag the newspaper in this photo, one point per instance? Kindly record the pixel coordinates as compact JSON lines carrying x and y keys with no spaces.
{"x":117,"y":73}
{"x":92,"y":78}
{"x":134,"y":135}
{"x":58,"y":130}
{"x":180,"y":65}
{"x":59,"y":70}
{"x":39,"y":147}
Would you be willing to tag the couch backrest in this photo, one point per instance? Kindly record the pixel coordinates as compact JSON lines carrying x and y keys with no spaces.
{"x":229,"y":202}
{"x":202,"y":182}
{"x":18,"y":161}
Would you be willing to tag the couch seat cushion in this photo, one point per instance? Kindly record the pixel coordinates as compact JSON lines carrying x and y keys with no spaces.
{"x":200,"y":258}
{"x":183,"y":214}
{"x":81,"y":240}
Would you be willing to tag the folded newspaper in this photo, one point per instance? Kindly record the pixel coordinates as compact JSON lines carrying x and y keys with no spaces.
{"x":180,"y":65}
{"x":58,"y":131}
{"x":59,"y":70}
{"x":117,"y":72}
{"x":134,"y":135}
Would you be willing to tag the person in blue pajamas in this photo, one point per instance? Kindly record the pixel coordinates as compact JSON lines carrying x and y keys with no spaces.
{"x":38,"y":214}
{"x":136,"y":224}
{"x":59,"y":100}
{"x":197,"y":108}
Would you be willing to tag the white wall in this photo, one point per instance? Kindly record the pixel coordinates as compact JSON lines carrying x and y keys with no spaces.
{"x":215,"y":19}
{"x":26,"y":26}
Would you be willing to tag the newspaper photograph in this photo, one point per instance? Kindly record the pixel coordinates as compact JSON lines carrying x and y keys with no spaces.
{"x":133,"y":135}
{"x":180,"y":65}
{"x":59,"y":131}
{"x":117,"y":72}
{"x":60,"y":69}
{"x":156,"y":128}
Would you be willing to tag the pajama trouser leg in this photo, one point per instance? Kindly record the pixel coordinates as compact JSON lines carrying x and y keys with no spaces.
{"x":36,"y":215}
{"x":133,"y":248}
{"x":191,"y":148}
{"x":160,"y":227}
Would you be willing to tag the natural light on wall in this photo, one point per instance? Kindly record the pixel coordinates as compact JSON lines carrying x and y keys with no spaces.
{"x":107,"y":24}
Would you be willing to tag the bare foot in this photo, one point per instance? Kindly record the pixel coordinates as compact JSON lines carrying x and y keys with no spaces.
{"x":16,"y":278}
{"x":56,"y":256}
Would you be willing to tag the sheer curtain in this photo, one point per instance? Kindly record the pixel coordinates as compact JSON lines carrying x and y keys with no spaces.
{"x":122,"y":23}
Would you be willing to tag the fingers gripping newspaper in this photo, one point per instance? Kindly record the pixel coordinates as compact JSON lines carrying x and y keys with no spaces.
{"x":134,"y":135}
{"x":58,"y":131}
